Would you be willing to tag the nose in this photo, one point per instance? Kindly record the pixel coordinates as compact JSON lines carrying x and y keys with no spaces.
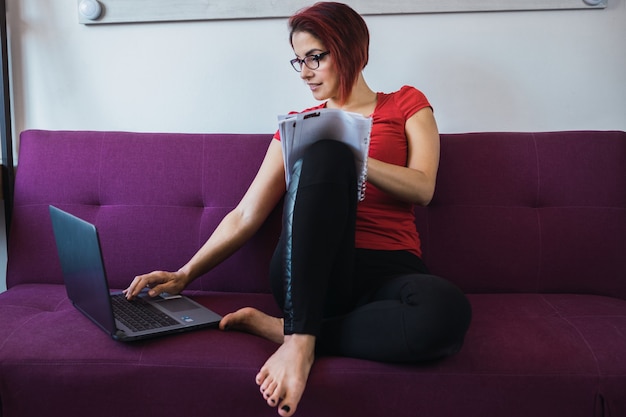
{"x":306,"y":72}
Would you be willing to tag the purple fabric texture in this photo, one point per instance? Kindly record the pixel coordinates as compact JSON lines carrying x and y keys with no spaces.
{"x":531,"y":225}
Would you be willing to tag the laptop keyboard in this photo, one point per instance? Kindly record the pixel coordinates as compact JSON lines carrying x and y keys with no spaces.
{"x":139,"y":315}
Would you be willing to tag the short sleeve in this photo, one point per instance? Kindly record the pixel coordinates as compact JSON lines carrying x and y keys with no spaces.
{"x":410,"y":100}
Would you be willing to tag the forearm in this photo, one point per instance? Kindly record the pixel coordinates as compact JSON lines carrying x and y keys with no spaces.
{"x":403,"y":183}
{"x":233,"y":231}
{"x":226,"y":239}
{"x":242,"y":223}
{"x":415,"y":182}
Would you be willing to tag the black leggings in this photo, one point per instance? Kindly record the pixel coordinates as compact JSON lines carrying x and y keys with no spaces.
{"x":371,"y":304}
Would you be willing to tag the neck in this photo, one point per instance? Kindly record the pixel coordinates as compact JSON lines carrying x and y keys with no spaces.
{"x":362,"y":99}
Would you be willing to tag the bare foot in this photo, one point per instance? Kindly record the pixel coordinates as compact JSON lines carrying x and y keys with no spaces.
{"x":251,"y":320}
{"x":283,"y":377}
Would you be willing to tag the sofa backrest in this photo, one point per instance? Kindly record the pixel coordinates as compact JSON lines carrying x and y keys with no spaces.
{"x":530,"y":212}
{"x":512,"y":212}
{"x":154,"y":198}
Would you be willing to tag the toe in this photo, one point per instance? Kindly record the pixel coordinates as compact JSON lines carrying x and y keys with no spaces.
{"x":269,"y":391}
{"x":289,"y":401}
{"x":261,"y":377}
{"x":266,"y":387}
{"x":286,"y":411}
{"x":274,"y":399}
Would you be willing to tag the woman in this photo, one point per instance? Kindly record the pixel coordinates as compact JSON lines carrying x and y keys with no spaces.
{"x":347,"y":274}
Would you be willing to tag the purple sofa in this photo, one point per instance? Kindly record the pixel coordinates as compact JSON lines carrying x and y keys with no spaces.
{"x":531,"y":225}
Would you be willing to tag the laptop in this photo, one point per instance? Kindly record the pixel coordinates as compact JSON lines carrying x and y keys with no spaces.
{"x":85,"y":279}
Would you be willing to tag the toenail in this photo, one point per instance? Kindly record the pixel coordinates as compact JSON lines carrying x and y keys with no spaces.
{"x":286,"y":408}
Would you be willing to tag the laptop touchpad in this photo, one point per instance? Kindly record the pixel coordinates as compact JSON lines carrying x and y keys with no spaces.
{"x":178,"y":304}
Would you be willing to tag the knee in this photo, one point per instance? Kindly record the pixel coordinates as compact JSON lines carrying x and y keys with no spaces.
{"x":328,"y":160}
{"x":329,"y":150}
{"x":437,"y":317}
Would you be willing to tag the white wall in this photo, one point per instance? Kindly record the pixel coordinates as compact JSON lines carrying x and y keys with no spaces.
{"x":546,"y":70}
{"x":519,"y":71}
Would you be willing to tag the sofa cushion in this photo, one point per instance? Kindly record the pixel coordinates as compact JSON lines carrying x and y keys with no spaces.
{"x":544,"y":213}
{"x":519,"y":349}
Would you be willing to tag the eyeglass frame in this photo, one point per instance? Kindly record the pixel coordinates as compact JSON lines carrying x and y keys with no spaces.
{"x":307,"y":60}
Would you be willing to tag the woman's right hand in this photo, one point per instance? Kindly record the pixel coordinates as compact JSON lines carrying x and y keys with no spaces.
{"x":158,"y":282}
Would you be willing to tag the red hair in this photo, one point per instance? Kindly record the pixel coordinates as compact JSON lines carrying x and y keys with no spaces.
{"x":343,"y":32}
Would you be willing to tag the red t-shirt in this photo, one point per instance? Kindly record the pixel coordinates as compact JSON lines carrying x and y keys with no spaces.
{"x":383,"y":222}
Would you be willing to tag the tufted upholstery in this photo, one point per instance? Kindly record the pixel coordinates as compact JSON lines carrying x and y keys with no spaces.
{"x":155,"y":198}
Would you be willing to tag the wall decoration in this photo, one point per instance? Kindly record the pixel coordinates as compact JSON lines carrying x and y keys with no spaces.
{"x":129,"y":11}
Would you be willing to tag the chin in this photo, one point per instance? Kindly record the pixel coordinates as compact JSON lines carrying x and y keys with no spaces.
{"x":319,"y":96}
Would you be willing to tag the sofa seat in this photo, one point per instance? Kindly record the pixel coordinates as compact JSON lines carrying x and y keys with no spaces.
{"x":520,"y":346}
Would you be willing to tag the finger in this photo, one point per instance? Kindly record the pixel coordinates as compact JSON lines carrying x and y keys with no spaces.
{"x":137,"y":285}
{"x":130,"y":291}
{"x":157,"y":290}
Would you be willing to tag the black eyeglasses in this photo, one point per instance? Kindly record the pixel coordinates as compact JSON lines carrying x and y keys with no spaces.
{"x":311,"y":61}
